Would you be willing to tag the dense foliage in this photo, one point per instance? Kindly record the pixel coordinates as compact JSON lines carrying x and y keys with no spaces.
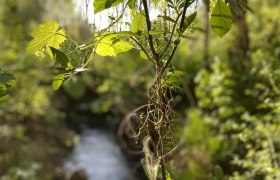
{"x":203,"y":107}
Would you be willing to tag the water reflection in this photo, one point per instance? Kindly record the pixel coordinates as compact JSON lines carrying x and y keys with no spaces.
{"x":99,"y":156}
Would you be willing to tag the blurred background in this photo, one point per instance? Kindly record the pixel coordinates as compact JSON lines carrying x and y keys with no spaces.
{"x":227,"y":106}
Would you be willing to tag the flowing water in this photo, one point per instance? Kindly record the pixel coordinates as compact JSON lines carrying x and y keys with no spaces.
{"x":99,"y":156}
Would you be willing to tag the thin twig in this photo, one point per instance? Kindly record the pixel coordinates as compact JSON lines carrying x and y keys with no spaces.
{"x":142,"y":48}
{"x":169,"y":59}
{"x":171,"y":36}
{"x":187,"y":4}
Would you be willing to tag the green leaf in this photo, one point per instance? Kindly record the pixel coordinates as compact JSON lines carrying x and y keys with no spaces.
{"x":172,"y":80}
{"x":176,"y":73}
{"x":155,"y":32}
{"x":104,"y":46}
{"x":6,"y":78}
{"x":221,"y":18}
{"x":143,"y":55}
{"x":167,"y":18}
{"x":131,"y":4}
{"x":138,"y":22}
{"x":235,"y":7}
{"x":246,"y":7}
{"x":109,"y":46}
{"x":4,"y":97}
{"x":58,"y":81}
{"x":122,"y":46}
{"x":155,"y":2}
{"x":188,"y":21}
{"x":127,"y":33}
{"x":46,"y":35}
{"x":61,"y":58}
{"x":218,"y":173}
{"x":100,"y":5}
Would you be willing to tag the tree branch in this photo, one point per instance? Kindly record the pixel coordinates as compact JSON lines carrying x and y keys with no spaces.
{"x":169,"y":59}
{"x":187,"y":4}
{"x":149,"y":27}
{"x":171,"y":36}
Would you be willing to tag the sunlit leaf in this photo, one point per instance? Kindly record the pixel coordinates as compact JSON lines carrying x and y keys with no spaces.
{"x":58,"y":81}
{"x":104,"y":46}
{"x":155,"y":2}
{"x":155,"y":32}
{"x":127,"y":33}
{"x":61,"y":58}
{"x":176,"y":73}
{"x":110,"y":46}
{"x":138,"y":23}
{"x":143,"y":55}
{"x":100,"y":5}
{"x":221,"y":18}
{"x":122,"y":46}
{"x":46,"y":35}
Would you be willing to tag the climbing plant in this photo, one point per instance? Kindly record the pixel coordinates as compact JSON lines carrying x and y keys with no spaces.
{"x":157,"y":40}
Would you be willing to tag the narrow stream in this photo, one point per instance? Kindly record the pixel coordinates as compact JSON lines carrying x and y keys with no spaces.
{"x":99,"y":156}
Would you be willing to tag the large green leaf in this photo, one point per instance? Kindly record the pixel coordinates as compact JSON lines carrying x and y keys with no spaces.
{"x":104,"y":46}
{"x":61,"y":58}
{"x":221,"y":18}
{"x":188,"y":21}
{"x":138,"y":22}
{"x":46,"y":35}
{"x":122,"y":46}
{"x":100,"y":5}
{"x":110,"y":46}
